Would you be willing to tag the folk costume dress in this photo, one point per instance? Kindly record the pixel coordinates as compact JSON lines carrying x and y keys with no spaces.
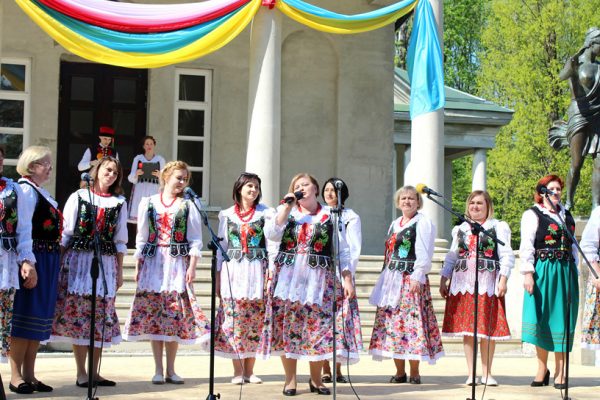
{"x":34,"y":308}
{"x":547,"y":251}
{"x":494,"y":261}
{"x":590,"y":244}
{"x":240,"y":317}
{"x":165,"y":306}
{"x":72,"y":317}
{"x":142,"y":187}
{"x":405,"y":326}
{"x":299,"y":314}
{"x":15,"y":248}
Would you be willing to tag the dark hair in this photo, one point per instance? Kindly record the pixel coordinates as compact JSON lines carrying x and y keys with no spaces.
{"x":147,"y":137}
{"x":344,"y":194}
{"x":545,"y":181}
{"x":115,"y":188}
{"x":244,"y":178}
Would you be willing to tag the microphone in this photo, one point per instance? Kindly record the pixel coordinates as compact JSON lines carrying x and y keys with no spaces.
{"x":338,"y":184}
{"x":87,"y":177}
{"x":188,"y":191}
{"x":421,"y":188}
{"x":289,"y":200}
{"x":545,"y":190}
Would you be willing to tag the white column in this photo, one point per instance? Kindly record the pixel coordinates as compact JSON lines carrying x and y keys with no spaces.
{"x":479,"y":170}
{"x":264,"y":102}
{"x":427,"y":146}
{"x":1,"y":20}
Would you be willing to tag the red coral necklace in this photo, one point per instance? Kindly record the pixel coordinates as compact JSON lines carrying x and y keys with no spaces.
{"x":163,"y":203}
{"x":244,"y":216}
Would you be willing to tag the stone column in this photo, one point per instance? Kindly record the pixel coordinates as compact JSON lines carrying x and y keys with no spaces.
{"x":479,"y":171}
{"x":1,"y":20}
{"x":264,"y":102}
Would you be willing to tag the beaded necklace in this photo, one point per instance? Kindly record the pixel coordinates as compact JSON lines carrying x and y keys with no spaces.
{"x":244,"y":216}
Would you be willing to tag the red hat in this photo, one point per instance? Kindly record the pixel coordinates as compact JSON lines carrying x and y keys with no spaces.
{"x":106,"y":131}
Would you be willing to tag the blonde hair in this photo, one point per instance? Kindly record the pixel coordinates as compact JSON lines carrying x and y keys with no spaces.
{"x":29,"y":156}
{"x":488,"y":201}
{"x":311,"y":178}
{"x":171,"y":167}
{"x":406,"y":189}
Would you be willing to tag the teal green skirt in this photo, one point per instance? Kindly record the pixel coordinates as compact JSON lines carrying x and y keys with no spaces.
{"x":544,"y":311}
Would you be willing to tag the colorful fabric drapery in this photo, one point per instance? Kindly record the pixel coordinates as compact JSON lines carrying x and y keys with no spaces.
{"x":153,"y":35}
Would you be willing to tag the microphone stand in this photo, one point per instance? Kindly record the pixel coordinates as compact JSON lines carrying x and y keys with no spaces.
{"x":214,"y":245}
{"x":476,"y":229}
{"x":569,"y":300}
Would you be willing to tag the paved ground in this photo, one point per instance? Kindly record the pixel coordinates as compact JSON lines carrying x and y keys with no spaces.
{"x":441,"y":381}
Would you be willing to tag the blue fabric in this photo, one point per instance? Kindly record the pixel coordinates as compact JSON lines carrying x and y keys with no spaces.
{"x":425,"y":63}
{"x":320,"y":12}
{"x":33,"y":310}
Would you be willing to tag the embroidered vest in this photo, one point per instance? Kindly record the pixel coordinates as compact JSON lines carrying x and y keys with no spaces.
{"x":83,"y":239}
{"x":246,"y":240}
{"x":550,"y":235}
{"x":8,"y":219}
{"x":400,"y":250}
{"x":179,"y":245}
{"x":46,"y":224}
{"x":98,"y":153}
{"x":488,"y":259}
{"x":311,"y":239}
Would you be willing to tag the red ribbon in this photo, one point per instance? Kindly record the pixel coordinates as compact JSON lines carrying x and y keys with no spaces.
{"x":269,"y":3}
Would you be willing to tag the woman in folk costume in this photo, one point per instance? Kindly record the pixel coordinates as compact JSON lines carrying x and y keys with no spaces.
{"x":405,"y":326}
{"x":168,"y":248}
{"x":302,"y":286}
{"x":549,"y":268}
{"x":590,"y":244}
{"x":145,"y":171}
{"x":351,"y":222}
{"x":241,"y":282}
{"x":495,"y":264}
{"x":73,"y":308}
{"x":34,"y":308}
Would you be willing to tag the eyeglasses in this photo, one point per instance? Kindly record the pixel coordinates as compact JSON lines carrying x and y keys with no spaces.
{"x":46,"y":164}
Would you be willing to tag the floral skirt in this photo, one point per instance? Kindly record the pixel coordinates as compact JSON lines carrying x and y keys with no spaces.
{"x":408,"y":331}
{"x":491,"y":317}
{"x":167,"y":316}
{"x":590,"y":335}
{"x":6,"y":312}
{"x":239,"y":326}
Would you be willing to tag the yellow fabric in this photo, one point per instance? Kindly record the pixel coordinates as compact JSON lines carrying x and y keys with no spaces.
{"x":90,"y":50}
{"x":342,"y":27}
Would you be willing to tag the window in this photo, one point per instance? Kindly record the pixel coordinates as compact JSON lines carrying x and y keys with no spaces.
{"x":192,"y":124}
{"x":14,"y":110}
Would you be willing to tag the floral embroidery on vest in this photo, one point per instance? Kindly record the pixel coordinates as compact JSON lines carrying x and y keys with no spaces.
{"x":178,"y":243}
{"x":311,"y":239}
{"x":9,"y":220}
{"x":106,"y":222}
{"x":488,"y":251}
{"x":246,"y":240}
{"x":46,"y":223}
{"x":400,"y":250}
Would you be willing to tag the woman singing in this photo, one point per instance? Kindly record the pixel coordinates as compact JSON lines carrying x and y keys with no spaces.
{"x":303,"y":284}
{"x":34,"y":308}
{"x":241,"y":281}
{"x":405,"y":326}
{"x":548,"y":264}
{"x":495,"y":264}
{"x":73,"y":308}
{"x":168,"y":245}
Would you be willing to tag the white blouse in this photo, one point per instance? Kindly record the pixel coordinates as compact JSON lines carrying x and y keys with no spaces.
{"x":351,"y":221}
{"x":70,"y":217}
{"x":132,"y":177}
{"x":31,"y":196}
{"x":24,"y":217}
{"x":590,"y":239}
{"x":529,"y":225}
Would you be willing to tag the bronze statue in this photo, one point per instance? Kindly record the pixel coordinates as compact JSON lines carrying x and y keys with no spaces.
{"x":582,"y":130}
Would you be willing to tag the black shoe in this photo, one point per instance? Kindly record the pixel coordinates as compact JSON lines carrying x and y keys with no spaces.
{"x":545,"y":382}
{"x":105,"y":382}
{"x":340,"y":379}
{"x":560,"y":386}
{"x":83,"y":385}
{"x":289,"y":392}
{"x":21,"y":388}
{"x":326,"y":378}
{"x":399,"y":379}
{"x":319,"y":390}
{"x":39,"y":386}
{"x":415,"y":380}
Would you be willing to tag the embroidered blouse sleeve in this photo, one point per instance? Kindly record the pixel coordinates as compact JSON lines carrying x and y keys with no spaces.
{"x":452,"y":255}
{"x":25,"y":207}
{"x":505,"y":252}
{"x":272,"y":245}
{"x":69,"y":219}
{"x":529,"y":225}
{"x":590,"y":239}
{"x":222,"y":234}
{"x":132,"y":177}
{"x":354,"y":238}
{"x":273,"y":231}
{"x":121,"y":236}
{"x":85,"y":161}
{"x":143,"y":227}
{"x":424,"y":246}
{"x":194,"y":232}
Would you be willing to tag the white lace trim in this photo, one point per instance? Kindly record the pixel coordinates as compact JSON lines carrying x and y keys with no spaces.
{"x":464,"y":281}
{"x":163,"y":273}
{"x":245,"y":277}
{"x":79,"y":281}
{"x":9,"y":270}
{"x":479,"y":335}
{"x":380,"y":355}
{"x":388,"y":289}
{"x":301,"y":283}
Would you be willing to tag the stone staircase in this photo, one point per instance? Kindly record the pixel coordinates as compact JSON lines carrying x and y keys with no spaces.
{"x":366,"y":275}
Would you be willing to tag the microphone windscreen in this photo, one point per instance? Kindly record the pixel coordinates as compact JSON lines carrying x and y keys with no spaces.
{"x":421,"y":188}
{"x":299,"y":195}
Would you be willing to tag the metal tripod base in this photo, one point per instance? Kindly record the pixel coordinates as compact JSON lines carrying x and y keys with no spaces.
{"x":213,"y":396}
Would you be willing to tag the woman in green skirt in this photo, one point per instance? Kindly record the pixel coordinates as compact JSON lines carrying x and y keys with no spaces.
{"x":548,"y":265}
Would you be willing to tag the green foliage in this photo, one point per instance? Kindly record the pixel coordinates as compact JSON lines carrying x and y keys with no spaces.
{"x":461,"y":183}
{"x":526,"y":45}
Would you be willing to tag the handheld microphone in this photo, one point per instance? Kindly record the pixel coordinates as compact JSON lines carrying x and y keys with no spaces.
{"x":545,"y":190}
{"x":421,"y":188}
{"x":188,"y":191}
{"x":86,"y":177}
{"x":289,"y":200}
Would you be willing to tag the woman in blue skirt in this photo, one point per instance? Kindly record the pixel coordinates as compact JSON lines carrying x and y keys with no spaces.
{"x":548,"y":265}
{"x":34,"y":308}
